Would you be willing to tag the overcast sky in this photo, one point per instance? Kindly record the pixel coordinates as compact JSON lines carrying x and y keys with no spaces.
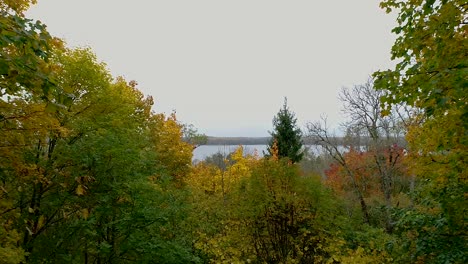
{"x":225,"y":66}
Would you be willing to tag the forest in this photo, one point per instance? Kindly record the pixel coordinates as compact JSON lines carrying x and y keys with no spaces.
{"x":91,"y":173}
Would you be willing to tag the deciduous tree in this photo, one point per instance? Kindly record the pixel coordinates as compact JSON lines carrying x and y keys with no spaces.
{"x":431,"y":49}
{"x":379,"y":135}
{"x":25,"y":47}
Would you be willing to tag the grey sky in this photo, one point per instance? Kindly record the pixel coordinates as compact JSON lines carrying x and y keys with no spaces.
{"x":225,"y":66}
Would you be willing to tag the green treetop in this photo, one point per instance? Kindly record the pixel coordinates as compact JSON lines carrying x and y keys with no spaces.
{"x":286,"y":136}
{"x":431,"y":49}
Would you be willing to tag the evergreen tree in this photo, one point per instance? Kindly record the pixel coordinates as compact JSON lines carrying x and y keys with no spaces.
{"x":286,"y":135}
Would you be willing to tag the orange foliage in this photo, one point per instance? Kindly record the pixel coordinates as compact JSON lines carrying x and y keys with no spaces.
{"x":365,"y":171}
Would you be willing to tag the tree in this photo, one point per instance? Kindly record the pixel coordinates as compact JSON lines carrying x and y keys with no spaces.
{"x":174,"y":154}
{"x":286,"y":135}
{"x":213,"y":200}
{"x":25,"y":47}
{"x":192,"y":136}
{"x":115,"y":155}
{"x":371,"y":150}
{"x":382,"y":136}
{"x":287,"y":218}
{"x":431,"y":48}
{"x":17,"y":6}
{"x":320,"y":133}
{"x":431,"y":75}
{"x":369,"y":181}
{"x":88,"y":177}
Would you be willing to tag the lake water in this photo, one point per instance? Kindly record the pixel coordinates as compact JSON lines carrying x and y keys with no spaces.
{"x":201,"y":152}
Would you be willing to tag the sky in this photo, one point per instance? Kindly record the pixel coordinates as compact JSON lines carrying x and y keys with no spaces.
{"x":226,"y":66}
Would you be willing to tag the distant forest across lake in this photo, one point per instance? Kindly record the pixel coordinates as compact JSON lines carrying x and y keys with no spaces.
{"x":265,"y":140}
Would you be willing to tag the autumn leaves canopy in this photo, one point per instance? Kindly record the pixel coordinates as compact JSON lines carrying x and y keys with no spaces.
{"x":90,"y":174}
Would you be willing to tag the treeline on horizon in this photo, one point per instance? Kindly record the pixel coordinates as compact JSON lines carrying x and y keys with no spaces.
{"x":306,"y":140}
{"x":90,"y":172}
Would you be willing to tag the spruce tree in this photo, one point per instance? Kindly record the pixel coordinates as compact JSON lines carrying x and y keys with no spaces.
{"x":286,"y":135}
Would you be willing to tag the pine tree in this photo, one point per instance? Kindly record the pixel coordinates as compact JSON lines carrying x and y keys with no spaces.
{"x":286,"y":135}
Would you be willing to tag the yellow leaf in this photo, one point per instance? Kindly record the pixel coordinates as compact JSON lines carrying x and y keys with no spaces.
{"x":80,"y":190}
{"x":40,"y":222}
{"x":85,"y":213}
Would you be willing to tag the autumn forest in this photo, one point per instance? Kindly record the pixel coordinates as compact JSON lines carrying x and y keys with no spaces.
{"x":90,"y":172}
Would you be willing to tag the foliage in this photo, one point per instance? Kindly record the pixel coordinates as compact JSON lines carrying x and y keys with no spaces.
{"x":25,"y":47}
{"x":286,"y":135}
{"x":88,"y":176}
{"x":191,"y":135}
{"x":381,"y":136}
{"x":218,"y":234}
{"x":431,"y":46}
{"x":174,"y":155}
{"x":427,"y":237}
{"x":437,"y":158}
{"x":220,"y":160}
{"x":263,"y":211}
{"x":9,"y":252}
{"x":365,"y":244}
{"x":431,"y":75}
{"x":286,"y":217}
{"x":365,"y":177}
{"x":17,"y":6}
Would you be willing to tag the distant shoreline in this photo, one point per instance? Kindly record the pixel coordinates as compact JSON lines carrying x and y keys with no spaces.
{"x":213,"y":141}
{"x":247,"y":140}
{"x":237,"y":140}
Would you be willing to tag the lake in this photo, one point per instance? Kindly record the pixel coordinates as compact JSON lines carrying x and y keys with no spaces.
{"x":201,"y":152}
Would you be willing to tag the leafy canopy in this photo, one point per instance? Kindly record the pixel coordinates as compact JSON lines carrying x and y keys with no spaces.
{"x":25,"y":47}
{"x":432,"y":50}
{"x":431,"y":74}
